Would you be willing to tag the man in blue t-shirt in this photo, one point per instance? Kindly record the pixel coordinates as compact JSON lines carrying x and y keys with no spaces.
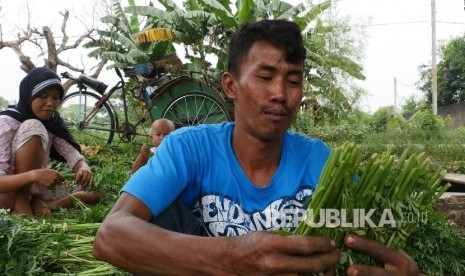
{"x":237,"y":179}
{"x":198,"y":166}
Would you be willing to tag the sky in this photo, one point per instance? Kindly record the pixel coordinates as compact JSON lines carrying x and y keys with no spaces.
{"x":398,"y":40}
{"x":13,"y":19}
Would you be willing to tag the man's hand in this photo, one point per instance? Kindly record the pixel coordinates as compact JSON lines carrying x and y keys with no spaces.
{"x":396,"y":262}
{"x":265,"y":253}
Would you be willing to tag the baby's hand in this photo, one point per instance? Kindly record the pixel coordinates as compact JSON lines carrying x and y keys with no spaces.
{"x":144,"y":149}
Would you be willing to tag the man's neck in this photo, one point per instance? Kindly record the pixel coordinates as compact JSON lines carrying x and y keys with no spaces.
{"x":259,"y":159}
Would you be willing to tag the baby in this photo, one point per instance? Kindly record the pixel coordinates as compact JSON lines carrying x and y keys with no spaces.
{"x":160,"y":128}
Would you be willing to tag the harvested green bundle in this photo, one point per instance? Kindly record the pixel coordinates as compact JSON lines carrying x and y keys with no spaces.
{"x":384,"y":199}
{"x":38,"y":247}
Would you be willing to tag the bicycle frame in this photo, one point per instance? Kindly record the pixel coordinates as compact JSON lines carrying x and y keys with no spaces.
{"x":178,"y":96}
{"x":84,"y":82}
{"x":105,"y":98}
{"x":126,"y":130}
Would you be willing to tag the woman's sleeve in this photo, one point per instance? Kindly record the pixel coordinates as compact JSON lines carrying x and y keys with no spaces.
{"x":65,"y":149}
{"x":7,"y":133}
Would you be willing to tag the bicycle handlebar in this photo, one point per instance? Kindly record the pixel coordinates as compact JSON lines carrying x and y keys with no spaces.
{"x":67,"y":75}
{"x":84,"y":80}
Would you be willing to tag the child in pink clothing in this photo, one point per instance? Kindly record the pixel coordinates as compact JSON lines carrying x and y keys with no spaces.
{"x":30,"y":134}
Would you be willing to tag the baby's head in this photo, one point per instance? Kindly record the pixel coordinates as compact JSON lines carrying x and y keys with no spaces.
{"x":160,"y":128}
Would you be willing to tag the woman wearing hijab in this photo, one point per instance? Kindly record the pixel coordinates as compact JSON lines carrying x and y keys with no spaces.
{"x":30,"y":134}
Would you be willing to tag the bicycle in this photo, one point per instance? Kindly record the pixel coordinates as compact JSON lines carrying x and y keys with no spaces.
{"x":92,"y":118}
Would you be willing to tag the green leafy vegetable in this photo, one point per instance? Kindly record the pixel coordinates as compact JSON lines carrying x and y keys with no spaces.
{"x":383,"y":198}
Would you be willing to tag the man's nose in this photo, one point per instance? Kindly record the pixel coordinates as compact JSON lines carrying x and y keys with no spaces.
{"x":278,"y":91}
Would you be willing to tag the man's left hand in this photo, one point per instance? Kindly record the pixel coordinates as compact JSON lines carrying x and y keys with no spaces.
{"x":396,"y":262}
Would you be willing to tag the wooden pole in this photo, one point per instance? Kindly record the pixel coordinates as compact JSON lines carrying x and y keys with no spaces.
{"x":433,"y":58}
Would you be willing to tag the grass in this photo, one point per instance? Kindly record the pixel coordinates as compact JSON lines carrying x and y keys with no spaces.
{"x":111,"y":167}
{"x":39,"y":247}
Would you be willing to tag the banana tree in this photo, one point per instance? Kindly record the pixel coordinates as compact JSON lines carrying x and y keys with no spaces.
{"x":194,"y":27}
{"x":329,"y":65}
{"x":204,"y":27}
{"x":117,"y":43}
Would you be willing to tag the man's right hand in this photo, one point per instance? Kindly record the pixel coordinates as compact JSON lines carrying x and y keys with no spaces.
{"x":269,"y":253}
{"x":164,"y":252}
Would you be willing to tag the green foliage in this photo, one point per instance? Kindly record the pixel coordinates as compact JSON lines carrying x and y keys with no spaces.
{"x":205,"y":27}
{"x":381,"y":131}
{"x":412,"y":105}
{"x":353,"y":127}
{"x":438,"y":247}
{"x":334,"y":53}
{"x":56,"y":247}
{"x":111,"y":167}
{"x":384,"y":118}
{"x":116,"y":42}
{"x":63,"y":245}
{"x":421,"y":126}
{"x":403,"y":184}
{"x":450,"y":74}
{"x":429,"y":122}
{"x":429,"y":244}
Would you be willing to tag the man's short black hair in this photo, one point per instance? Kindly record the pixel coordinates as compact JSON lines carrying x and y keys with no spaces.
{"x":281,"y":33}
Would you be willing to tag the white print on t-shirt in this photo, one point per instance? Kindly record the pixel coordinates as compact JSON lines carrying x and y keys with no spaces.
{"x":223,"y":216}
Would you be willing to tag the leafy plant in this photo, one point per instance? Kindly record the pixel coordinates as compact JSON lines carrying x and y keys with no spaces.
{"x":117,"y":43}
{"x":438,"y":246}
{"x":63,"y":245}
{"x":36,"y":247}
{"x":383,"y":185}
{"x":450,"y":73}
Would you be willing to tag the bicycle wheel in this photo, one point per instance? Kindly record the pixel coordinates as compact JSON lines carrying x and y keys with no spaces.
{"x":195,"y":108}
{"x":77,"y":108}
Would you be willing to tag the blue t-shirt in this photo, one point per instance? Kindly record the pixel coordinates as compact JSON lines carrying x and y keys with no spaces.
{"x":198,"y":166}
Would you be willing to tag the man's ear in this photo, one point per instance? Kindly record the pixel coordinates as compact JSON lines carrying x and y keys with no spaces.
{"x":229,"y":87}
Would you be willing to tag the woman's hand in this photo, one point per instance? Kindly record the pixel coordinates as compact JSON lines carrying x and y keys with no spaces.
{"x":84,"y":175}
{"x":47,"y":177}
{"x":396,"y":262}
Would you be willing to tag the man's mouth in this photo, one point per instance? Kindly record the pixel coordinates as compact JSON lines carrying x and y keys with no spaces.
{"x":275,"y":115}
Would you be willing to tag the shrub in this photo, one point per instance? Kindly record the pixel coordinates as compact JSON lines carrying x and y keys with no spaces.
{"x":437,"y":247}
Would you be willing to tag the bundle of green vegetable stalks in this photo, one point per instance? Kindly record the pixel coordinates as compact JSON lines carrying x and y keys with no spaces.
{"x":39,"y":247}
{"x":384,"y":198}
